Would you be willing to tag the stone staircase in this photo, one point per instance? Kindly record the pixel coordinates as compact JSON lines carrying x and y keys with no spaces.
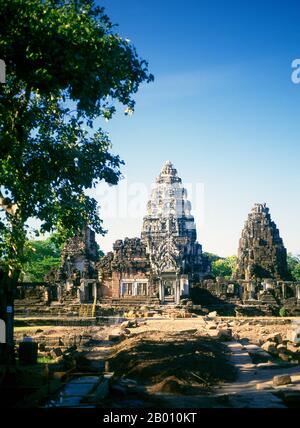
{"x":86,"y":311}
{"x":134,"y":300}
{"x":169,"y":300}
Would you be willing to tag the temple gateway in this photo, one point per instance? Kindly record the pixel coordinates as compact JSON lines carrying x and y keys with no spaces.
{"x":165,"y":262}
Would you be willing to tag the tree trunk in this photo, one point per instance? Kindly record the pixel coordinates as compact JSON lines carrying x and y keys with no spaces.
{"x":8,"y":283}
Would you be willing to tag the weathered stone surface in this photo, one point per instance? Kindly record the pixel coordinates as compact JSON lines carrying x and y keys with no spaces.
{"x":281,"y":348}
{"x":77,"y":259}
{"x":125,"y":325}
{"x":42,"y":347}
{"x":274,"y":337}
{"x":263,"y":386}
{"x":293,"y":349}
{"x":261,"y":251}
{"x":211,"y":325}
{"x":282,"y":380}
{"x":225,"y":334}
{"x":270,"y":347}
{"x":116,"y":337}
{"x":212,"y":315}
{"x":56,"y":352}
{"x":294,"y":336}
{"x":283,"y":356}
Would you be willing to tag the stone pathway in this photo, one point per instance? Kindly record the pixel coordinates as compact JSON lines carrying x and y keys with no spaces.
{"x":243,"y":392}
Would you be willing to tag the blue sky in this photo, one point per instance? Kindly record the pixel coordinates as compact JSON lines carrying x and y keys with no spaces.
{"x":222,"y":108}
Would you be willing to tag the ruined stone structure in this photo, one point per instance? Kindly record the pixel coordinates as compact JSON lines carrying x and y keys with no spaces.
{"x":261,"y":251}
{"x":79,"y":255}
{"x":167,"y":260}
{"x":169,"y":234}
{"x":261,"y":283}
{"x":166,"y":264}
{"x":126,"y":271}
{"x":77,"y":274}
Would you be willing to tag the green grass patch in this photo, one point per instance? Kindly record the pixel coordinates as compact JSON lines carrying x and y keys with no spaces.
{"x":45,"y":360}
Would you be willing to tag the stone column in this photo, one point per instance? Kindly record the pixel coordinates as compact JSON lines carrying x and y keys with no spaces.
{"x":46,"y":295}
{"x":177,"y":291}
{"x":95,"y":290}
{"x":161,"y":291}
{"x":134,"y":288}
{"x":78,"y":295}
{"x":59,"y":293}
{"x":252,"y":291}
{"x":283,"y":288}
{"x":82,"y":289}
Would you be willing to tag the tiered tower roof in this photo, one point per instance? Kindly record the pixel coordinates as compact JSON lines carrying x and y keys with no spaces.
{"x":261,"y":251}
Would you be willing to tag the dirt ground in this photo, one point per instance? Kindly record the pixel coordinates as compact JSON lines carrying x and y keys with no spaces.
{"x":181,"y":362}
{"x":165,"y":362}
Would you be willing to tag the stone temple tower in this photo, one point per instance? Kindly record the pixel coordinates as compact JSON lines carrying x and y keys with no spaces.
{"x":261,"y":251}
{"x":169,"y":234}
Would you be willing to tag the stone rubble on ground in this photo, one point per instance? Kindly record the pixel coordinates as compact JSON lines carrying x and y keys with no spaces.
{"x":282,"y":380}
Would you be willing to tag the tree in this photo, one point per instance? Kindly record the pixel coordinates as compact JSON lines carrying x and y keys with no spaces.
{"x":57,"y":85}
{"x":65,"y":67}
{"x":294,"y":266}
{"x":41,"y":256}
{"x":212,"y":257}
{"x":224,"y":267}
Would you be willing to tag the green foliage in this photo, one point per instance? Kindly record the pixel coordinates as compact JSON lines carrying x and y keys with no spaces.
{"x":41,"y":256}
{"x":212,"y":257}
{"x":45,"y":360}
{"x":221,"y":268}
{"x":282,"y":312}
{"x":294,"y":266}
{"x":66,"y":66}
{"x":224,"y":267}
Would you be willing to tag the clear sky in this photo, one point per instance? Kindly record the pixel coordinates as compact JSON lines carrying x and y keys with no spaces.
{"x":222,"y":108}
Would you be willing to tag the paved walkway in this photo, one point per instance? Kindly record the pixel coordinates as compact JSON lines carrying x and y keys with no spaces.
{"x":243,"y":392}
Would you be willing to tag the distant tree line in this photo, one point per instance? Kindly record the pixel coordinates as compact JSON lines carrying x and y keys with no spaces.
{"x":226,"y":266}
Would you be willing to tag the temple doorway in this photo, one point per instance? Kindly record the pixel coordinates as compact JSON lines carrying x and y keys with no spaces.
{"x":90,"y":296}
{"x":169,"y":288}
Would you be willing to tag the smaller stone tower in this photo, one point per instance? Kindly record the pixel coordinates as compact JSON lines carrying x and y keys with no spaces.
{"x":261,"y":251}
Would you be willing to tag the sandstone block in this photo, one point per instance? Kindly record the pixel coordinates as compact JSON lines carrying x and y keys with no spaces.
{"x":270,"y":347}
{"x":282,"y":380}
{"x":274,"y":337}
{"x":225,"y":334}
{"x":56,"y":352}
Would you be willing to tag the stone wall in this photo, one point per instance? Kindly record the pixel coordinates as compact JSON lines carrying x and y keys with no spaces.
{"x":128,"y":262}
{"x":270,"y":296}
